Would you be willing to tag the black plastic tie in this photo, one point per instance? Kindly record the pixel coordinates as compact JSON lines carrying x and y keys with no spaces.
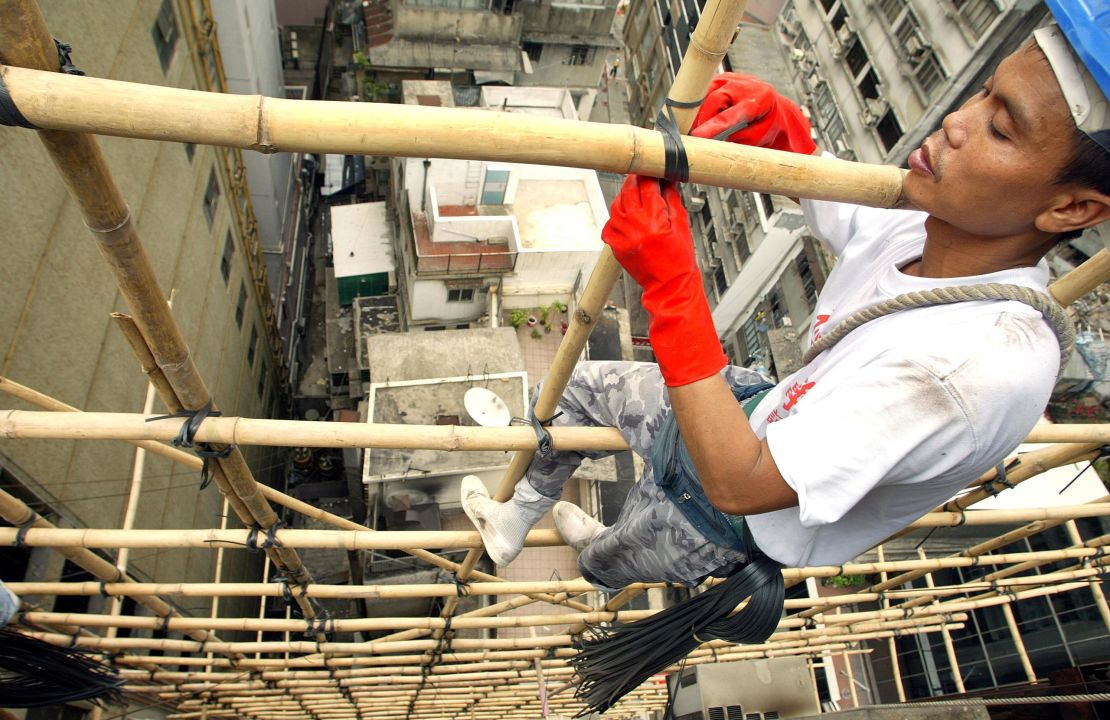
{"x":64,"y":63}
{"x":252,"y":538}
{"x":461,"y":588}
{"x":9,"y":113}
{"x":544,"y":444}
{"x":189,"y":428}
{"x":676,"y":166}
{"x":21,"y":534}
{"x":165,"y":629}
{"x":204,"y":452}
{"x":271,"y":540}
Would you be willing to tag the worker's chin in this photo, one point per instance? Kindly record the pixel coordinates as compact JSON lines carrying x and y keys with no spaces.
{"x":916,"y":193}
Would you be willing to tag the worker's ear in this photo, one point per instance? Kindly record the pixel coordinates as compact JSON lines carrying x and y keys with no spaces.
{"x":1073,"y":209}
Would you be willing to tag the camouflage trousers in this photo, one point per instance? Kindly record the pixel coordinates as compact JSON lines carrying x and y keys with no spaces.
{"x":651,"y":541}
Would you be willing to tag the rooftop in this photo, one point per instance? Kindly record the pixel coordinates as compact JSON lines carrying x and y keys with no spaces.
{"x":362,"y":241}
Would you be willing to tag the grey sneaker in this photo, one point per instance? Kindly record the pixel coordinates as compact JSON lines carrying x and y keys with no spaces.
{"x":577,"y":528}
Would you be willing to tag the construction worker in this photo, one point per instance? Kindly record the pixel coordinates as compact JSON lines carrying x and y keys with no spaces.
{"x":900,"y":414}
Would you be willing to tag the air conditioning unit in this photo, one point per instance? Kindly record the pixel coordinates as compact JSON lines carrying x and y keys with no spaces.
{"x":846,"y":35}
{"x":873,"y":112}
{"x":837,"y":49}
{"x":696,"y":203}
{"x":772,"y":689}
{"x":916,"y":49}
{"x":790,"y":25}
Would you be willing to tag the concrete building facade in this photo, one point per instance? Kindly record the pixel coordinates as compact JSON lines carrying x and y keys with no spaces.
{"x":55,"y":326}
{"x":476,"y":236}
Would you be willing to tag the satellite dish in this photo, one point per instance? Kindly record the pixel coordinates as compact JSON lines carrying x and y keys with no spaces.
{"x":403,"y":500}
{"x":486,"y":408}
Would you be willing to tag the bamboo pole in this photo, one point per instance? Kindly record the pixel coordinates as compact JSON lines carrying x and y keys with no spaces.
{"x":1083,"y":279}
{"x":25,"y":41}
{"x":1072,"y":441}
{"x":59,"y":102}
{"x":892,"y":645}
{"x":1019,"y":644}
{"x":1096,"y":587}
{"x":14,"y":389}
{"x":946,"y":636}
{"x":26,"y":424}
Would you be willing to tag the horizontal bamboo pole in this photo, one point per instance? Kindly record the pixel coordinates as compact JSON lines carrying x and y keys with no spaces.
{"x":27,"y":424}
{"x":392,"y":540}
{"x":14,"y":389}
{"x":135,"y":427}
{"x":251,"y":122}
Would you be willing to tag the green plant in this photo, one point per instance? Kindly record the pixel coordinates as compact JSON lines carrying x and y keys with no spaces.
{"x":561,"y":307}
{"x":536,"y":334}
{"x":546,"y":327}
{"x":517,"y":318}
{"x":846,"y":581}
{"x":544,"y":309}
{"x":360,"y":60}
{"x":377,"y":90}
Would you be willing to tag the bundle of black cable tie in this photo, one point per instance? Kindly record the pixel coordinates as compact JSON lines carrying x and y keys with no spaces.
{"x":612,"y":661}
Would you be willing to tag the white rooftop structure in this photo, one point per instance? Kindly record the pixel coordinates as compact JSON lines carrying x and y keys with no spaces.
{"x":362,"y":242}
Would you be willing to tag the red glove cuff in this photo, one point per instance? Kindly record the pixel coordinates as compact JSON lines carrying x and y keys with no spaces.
{"x":683,"y":336}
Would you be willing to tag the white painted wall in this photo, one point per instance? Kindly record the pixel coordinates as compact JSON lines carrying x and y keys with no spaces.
{"x":429,"y":303}
{"x":249,"y":46}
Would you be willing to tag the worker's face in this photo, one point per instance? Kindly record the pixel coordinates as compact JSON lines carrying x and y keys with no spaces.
{"x":990,"y":169}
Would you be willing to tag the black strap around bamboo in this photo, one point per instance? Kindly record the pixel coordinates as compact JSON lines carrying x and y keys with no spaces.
{"x":615,"y":660}
{"x":676,"y":167}
{"x":544,"y":443}
{"x":9,"y":113}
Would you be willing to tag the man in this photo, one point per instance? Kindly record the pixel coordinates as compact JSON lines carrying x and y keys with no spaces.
{"x":898,"y":416}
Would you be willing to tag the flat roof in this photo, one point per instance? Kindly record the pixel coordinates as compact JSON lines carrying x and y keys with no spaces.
{"x":555,"y":215}
{"x":362,"y":240}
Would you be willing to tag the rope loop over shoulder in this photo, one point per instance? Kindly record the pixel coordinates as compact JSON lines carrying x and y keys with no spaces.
{"x":1055,"y":315}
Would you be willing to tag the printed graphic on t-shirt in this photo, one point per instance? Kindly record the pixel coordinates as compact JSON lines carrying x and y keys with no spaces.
{"x":817,"y":323}
{"x":794,"y":393}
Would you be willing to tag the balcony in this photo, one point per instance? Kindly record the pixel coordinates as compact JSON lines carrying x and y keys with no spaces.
{"x":493,"y":255}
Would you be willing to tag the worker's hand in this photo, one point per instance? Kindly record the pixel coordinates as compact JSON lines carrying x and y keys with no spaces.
{"x":649,"y":233}
{"x":747,"y":111}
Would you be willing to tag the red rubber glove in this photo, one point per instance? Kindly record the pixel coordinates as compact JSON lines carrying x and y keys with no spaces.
{"x":650,"y":236}
{"x":747,"y":111}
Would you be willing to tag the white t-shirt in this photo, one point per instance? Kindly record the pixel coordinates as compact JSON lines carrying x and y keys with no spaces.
{"x":905,"y":410}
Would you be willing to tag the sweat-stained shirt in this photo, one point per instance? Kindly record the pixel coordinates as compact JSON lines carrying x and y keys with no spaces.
{"x":906,"y":410}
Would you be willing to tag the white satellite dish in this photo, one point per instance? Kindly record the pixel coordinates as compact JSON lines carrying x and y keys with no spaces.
{"x":486,"y":408}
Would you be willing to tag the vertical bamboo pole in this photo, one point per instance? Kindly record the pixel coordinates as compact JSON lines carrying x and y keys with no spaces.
{"x":949,"y":647}
{"x":26,"y":41}
{"x":1096,"y":586}
{"x":1015,"y":633}
{"x":892,"y":643}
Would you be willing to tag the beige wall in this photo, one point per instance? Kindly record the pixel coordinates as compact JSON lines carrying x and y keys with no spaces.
{"x":55,"y":333}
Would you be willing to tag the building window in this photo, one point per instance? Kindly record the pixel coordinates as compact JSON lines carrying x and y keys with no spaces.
{"x":719,"y":278}
{"x":241,"y":306}
{"x":581,"y":55}
{"x":805,"y":272}
{"x":891,"y":9}
{"x":533,"y":51}
{"x":856,"y":57}
{"x":190,"y":150}
{"x":890,"y":130}
{"x":460,"y":295}
{"x":978,"y":14}
{"x":918,"y":54}
{"x":225,"y":261}
{"x":828,"y":5}
{"x":743,"y":252}
{"x":868,"y":85}
{"x":211,"y":198}
{"x":252,"y":346}
{"x":768,"y":205}
{"x":929,"y":73}
{"x":164,"y":33}
{"x":262,"y":386}
{"x":435,"y":327}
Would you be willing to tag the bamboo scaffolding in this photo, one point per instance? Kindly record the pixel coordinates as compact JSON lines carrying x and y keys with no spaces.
{"x":25,"y":41}
{"x":1096,"y":588}
{"x":65,"y":103}
{"x":14,"y":389}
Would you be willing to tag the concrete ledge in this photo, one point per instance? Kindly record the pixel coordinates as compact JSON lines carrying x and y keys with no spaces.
{"x":908,"y":712}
